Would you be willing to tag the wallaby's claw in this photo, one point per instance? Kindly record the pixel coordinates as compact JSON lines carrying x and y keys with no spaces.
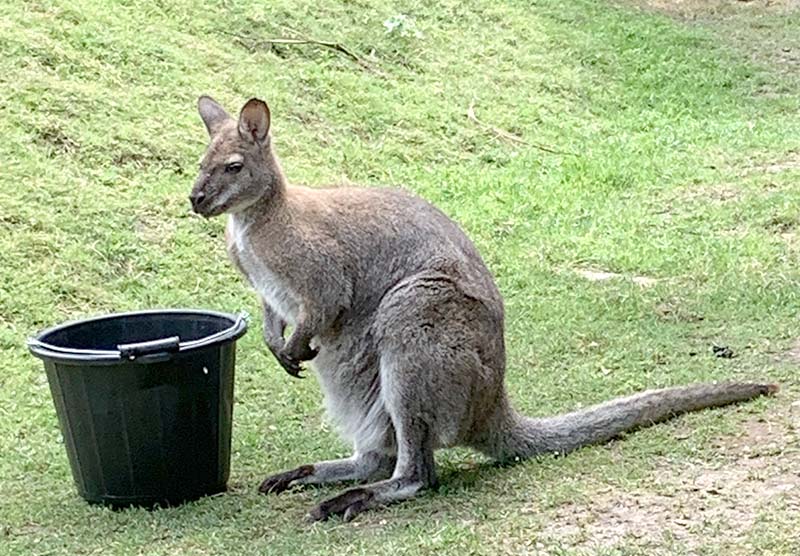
{"x":289,"y":364}
{"x":291,"y":361}
{"x":347,"y":505}
{"x":275,"y":484}
{"x":294,"y":369}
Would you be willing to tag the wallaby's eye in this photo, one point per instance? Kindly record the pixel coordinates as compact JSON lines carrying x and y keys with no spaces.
{"x":233,"y":167}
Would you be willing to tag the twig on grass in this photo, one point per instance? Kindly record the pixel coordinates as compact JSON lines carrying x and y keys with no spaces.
{"x":253,"y":43}
{"x":327,"y":44}
{"x":507,"y":136}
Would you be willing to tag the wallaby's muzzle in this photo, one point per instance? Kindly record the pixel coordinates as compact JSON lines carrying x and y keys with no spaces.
{"x":200,"y":201}
{"x":197,"y":198}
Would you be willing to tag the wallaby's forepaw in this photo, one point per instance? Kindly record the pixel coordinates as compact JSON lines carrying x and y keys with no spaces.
{"x":275,"y":484}
{"x":305,"y":353}
{"x":291,"y":366}
{"x":347,"y":505}
{"x":291,"y":361}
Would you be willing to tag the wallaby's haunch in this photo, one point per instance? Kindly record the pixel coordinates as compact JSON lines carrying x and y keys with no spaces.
{"x":401,"y":319}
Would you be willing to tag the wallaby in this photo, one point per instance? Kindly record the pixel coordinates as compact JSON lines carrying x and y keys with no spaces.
{"x":400,"y":318}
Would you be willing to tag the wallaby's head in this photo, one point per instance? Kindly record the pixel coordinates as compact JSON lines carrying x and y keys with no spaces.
{"x":238,"y":167}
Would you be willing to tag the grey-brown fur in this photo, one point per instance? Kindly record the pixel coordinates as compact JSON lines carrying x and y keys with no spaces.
{"x":400,"y":318}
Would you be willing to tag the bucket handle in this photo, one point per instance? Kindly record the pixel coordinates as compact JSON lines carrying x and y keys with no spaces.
{"x":155,"y":350}
{"x":243,"y":317}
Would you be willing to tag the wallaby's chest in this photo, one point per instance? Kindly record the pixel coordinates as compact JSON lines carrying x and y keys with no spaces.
{"x":254,"y":264}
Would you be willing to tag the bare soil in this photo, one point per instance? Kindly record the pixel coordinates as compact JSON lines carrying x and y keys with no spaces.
{"x":692,"y":9}
{"x":754,"y":27}
{"x":698,"y":504}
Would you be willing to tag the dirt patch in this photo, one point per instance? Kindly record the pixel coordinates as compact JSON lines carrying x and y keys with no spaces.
{"x":701,"y":503}
{"x":595,"y":275}
{"x":154,"y":228}
{"x":791,"y":162}
{"x":717,"y":194}
{"x":792,"y":241}
{"x":756,"y":28}
{"x":792,"y":355}
{"x":692,"y":9}
{"x":674,"y":310}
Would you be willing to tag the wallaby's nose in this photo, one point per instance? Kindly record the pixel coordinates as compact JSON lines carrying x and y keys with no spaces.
{"x":197,"y":199}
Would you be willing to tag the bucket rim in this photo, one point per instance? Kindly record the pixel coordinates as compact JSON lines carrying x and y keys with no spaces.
{"x":47,"y":351}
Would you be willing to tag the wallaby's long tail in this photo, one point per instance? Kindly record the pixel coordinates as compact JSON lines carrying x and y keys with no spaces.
{"x":523,"y":437}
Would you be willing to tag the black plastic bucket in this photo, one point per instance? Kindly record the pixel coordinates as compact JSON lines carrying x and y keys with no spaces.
{"x":145,"y":403}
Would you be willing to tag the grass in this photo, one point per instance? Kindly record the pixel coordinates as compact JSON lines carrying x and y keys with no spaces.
{"x":686,"y":157}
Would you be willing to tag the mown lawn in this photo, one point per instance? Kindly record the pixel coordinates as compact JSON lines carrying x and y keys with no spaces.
{"x":677,"y":166}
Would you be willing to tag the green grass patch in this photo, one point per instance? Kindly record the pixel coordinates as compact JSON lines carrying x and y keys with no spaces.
{"x":683,"y":170}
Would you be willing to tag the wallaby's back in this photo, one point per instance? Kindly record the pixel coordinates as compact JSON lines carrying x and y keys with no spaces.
{"x":386,"y":235}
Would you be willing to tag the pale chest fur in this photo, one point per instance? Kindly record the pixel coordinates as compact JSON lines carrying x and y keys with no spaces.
{"x":245,"y":254}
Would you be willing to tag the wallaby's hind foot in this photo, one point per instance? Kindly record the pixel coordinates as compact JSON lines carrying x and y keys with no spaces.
{"x":360,"y":467}
{"x":415,"y":470}
{"x":350,"y":503}
{"x":275,"y":484}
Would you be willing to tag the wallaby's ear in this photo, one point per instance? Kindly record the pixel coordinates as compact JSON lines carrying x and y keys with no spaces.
{"x":254,"y":121}
{"x":212,"y":113}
